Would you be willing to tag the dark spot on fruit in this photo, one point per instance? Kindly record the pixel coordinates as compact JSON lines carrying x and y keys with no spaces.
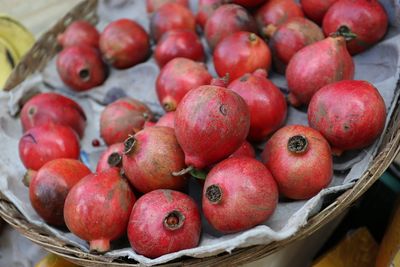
{"x":214,"y":194}
{"x":346,"y":127}
{"x":297,"y":144}
{"x":223,"y":109}
{"x":244,"y":78}
{"x":32,"y":111}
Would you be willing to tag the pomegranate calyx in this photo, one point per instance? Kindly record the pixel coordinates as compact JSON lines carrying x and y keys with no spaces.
{"x":214,"y":194}
{"x":252,"y":37}
{"x":174,"y":220}
{"x":345,"y":32}
{"x":129,"y":144}
{"x":28,"y":176}
{"x":84,"y":74}
{"x":115,"y":159}
{"x":297,"y":144}
{"x":269,"y":30}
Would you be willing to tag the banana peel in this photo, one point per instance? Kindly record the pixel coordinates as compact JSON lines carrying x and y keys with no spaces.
{"x":7,"y":63}
{"x":52,"y":260}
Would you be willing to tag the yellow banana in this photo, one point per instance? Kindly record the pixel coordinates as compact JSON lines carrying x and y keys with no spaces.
{"x":7,"y":64}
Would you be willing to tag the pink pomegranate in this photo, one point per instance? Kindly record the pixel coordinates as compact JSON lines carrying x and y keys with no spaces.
{"x":49,"y":187}
{"x":124,"y":43}
{"x":179,"y":43}
{"x":51,"y":107}
{"x":167,"y":120}
{"x":205,"y":9}
{"x":97,"y":208}
{"x":162,"y":222}
{"x":211,"y":123}
{"x":79,"y":32}
{"x":266,"y":103}
{"x":227,"y":19}
{"x":241,"y":53}
{"x":349,"y":114}
{"x":178,"y":77}
{"x":111,"y":157}
{"x":46,"y":142}
{"x":367,"y":19}
{"x":317,"y":65}
{"x":300,"y":160}
{"x":154,"y":5}
{"x":121,"y":118}
{"x":245,"y":150}
{"x":80,"y":67}
{"x":239,"y":193}
{"x":316,"y":9}
{"x":249,"y":3}
{"x":171,"y":16}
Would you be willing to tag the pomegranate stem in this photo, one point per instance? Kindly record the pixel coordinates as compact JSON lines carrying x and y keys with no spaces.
{"x":183,"y":171}
{"x":28,"y":177}
{"x":100,"y":245}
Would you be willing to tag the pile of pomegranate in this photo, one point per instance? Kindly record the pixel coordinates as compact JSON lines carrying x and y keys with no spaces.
{"x":212,"y":125}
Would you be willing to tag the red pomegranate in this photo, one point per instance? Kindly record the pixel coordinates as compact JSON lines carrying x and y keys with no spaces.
{"x":167,"y":120}
{"x":316,"y":9}
{"x":111,"y":157}
{"x":124,"y":43}
{"x":249,"y":3}
{"x":291,"y":36}
{"x":245,"y":150}
{"x":349,"y":114}
{"x":148,"y":124}
{"x":227,"y":19}
{"x":80,"y":67}
{"x":171,"y":16}
{"x":162,"y":222}
{"x":300,"y":160}
{"x":79,"y":32}
{"x":150,"y":157}
{"x":266,"y":103}
{"x":367,"y":19}
{"x":211,"y":122}
{"x":154,"y":5}
{"x":238,"y":194}
{"x":178,"y":77}
{"x":51,"y":107}
{"x":121,"y":118}
{"x":179,"y":43}
{"x":49,"y":187}
{"x":317,"y":65}
{"x":241,"y":53}
{"x":46,"y":142}
{"x":97,"y":208}
{"x":205,"y":9}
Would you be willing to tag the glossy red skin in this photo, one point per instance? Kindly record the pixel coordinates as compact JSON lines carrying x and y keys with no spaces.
{"x":249,"y":3}
{"x":79,"y":32}
{"x":171,"y":16}
{"x":316,"y":9}
{"x":366,"y":18}
{"x":249,"y":195}
{"x":180,"y":43}
{"x":154,"y":157}
{"x":103,"y":164}
{"x":205,"y":9}
{"x":50,"y":185}
{"x":349,"y":114}
{"x":227,"y":19}
{"x":167,"y":120}
{"x":211,"y":123}
{"x":317,"y":65}
{"x":299,"y":176}
{"x":241,"y":53}
{"x":121,"y":118}
{"x":44,"y":143}
{"x":51,"y":107}
{"x":97,"y":208}
{"x":177,"y":78}
{"x":290,"y":37}
{"x":75,"y":59}
{"x":146,"y":231}
{"x":266,"y":103}
{"x":277,"y":12}
{"x":245,"y":150}
{"x":153,"y":5}
{"x":124,"y":43}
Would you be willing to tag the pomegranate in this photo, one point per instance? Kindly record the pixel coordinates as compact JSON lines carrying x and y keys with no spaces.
{"x":49,"y":187}
{"x":205,"y":9}
{"x":290,"y":37}
{"x":51,"y":107}
{"x":124,"y":43}
{"x":171,"y":16}
{"x":266,"y":103}
{"x":121,"y":118}
{"x":148,"y":124}
{"x":300,"y":160}
{"x":245,"y":150}
{"x":178,"y":77}
{"x":154,"y":5}
{"x":316,"y":9}
{"x":79,"y":32}
{"x":162,"y":222}
{"x":46,"y":142}
{"x":211,"y":122}
{"x":97,"y":208}
{"x":249,"y":3}
{"x":150,"y":157}
{"x":111,"y":157}
{"x":227,"y":19}
{"x":81,"y":67}
{"x":167,"y":120}
{"x":367,"y":19}
{"x":317,"y":65}
{"x":349,"y":114}
{"x":241,"y":53}
{"x":238,"y":194}
{"x":180,"y":43}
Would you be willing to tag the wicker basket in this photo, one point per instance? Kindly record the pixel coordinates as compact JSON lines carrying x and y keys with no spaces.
{"x":45,"y":49}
